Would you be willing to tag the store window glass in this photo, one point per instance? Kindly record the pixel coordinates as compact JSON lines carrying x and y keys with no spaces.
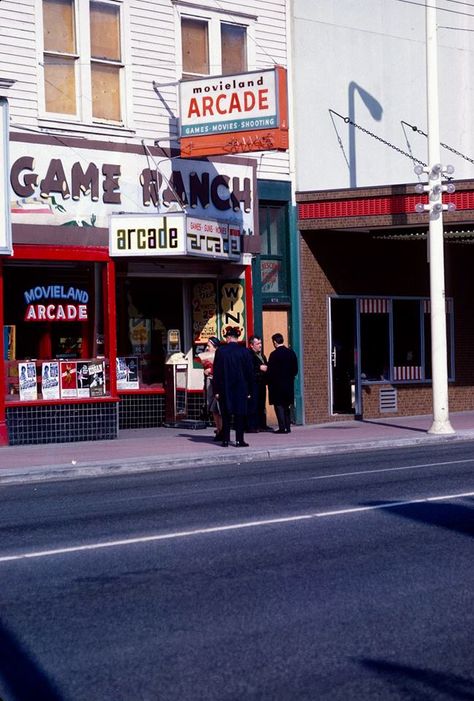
{"x":54,"y":330}
{"x":273,"y":232}
{"x":406,"y":333}
{"x":374,"y":346}
{"x":147,"y":309}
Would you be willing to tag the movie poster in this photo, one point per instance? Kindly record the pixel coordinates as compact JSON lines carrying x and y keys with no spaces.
{"x":83,"y":379}
{"x":96,"y":379}
{"x":27,"y":381}
{"x":9,"y":342}
{"x":50,"y":380}
{"x":127,"y":373}
{"x":68,"y":370}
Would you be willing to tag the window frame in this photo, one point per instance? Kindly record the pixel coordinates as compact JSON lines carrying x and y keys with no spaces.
{"x":422,"y":302}
{"x":83,"y":72}
{"x":283,"y":247}
{"x":214,"y":19}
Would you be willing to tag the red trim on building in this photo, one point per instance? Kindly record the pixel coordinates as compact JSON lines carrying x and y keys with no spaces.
{"x":376,"y":206}
{"x":3,"y":420}
{"x":51,"y":253}
{"x":249,"y":300}
{"x":111,"y":335}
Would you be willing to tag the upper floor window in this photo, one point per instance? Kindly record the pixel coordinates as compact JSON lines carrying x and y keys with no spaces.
{"x":82,"y":58}
{"x":211,"y":47}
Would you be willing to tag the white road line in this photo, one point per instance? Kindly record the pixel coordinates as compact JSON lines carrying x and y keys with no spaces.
{"x":222,"y":529}
{"x":291,"y":480}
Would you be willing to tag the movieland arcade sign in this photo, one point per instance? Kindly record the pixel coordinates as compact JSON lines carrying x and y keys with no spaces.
{"x":234,"y":114}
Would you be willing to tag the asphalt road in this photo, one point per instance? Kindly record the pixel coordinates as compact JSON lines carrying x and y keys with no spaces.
{"x":341,"y":577}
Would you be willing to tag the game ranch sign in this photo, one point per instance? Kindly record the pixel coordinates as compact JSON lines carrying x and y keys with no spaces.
{"x":82,"y":187}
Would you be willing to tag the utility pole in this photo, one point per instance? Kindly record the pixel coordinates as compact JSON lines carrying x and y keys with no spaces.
{"x":439,"y":359}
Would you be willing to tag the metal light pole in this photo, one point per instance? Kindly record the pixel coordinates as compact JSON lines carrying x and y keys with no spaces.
{"x":439,"y":360}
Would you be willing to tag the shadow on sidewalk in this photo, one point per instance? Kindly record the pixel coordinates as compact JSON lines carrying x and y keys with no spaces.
{"x":393,"y":425}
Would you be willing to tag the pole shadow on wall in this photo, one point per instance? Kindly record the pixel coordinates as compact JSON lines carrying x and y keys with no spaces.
{"x":376,"y":111}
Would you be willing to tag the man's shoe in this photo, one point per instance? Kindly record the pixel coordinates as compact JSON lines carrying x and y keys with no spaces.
{"x":241,"y":444}
{"x":280,"y":430}
{"x":267,"y":429}
{"x":225,"y":444}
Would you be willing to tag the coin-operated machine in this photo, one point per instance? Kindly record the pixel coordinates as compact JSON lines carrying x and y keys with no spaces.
{"x":176,"y":379}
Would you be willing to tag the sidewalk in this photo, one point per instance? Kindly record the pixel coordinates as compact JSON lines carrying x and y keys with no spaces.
{"x":167,"y":448}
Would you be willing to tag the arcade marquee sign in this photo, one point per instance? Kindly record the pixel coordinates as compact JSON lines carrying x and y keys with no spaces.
{"x":234,"y":114}
{"x":56,"y":303}
{"x":173,"y":235}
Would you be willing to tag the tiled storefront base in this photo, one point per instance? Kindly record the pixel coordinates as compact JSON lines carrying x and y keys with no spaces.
{"x":62,"y":423}
{"x":148,"y":410}
{"x":65,"y":423}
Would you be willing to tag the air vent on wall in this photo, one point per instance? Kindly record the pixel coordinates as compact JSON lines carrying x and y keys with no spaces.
{"x":387,"y":400}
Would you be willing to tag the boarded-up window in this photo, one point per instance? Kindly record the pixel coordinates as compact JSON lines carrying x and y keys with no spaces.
{"x":105,"y":51}
{"x":195,"y":47}
{"x":234,"y":48}
{"x":59,"y":56}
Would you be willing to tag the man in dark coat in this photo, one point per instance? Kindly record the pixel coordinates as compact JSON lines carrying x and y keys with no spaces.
{"x":282,"y":370}
{"x":257,"y":420}
{"x":233,"y":378}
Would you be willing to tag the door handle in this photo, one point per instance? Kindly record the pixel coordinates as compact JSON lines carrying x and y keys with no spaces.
{"x":333,"y":357}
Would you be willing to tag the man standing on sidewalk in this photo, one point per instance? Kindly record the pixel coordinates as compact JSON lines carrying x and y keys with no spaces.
{"x":257,"y":420}
{"x":233,"y":379}
{"x":282,"y":370}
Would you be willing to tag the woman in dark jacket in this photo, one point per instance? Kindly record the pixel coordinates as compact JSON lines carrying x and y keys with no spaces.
{"x":282,"y":370}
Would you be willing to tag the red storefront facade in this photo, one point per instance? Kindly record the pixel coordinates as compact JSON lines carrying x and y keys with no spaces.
{"x":86,"y":330}
{"x":366,"y":307}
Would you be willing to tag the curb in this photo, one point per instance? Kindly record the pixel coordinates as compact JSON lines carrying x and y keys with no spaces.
{"x":89,"y":469}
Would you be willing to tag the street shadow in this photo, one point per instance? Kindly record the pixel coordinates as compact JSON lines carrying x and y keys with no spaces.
{"x":421,"y":684}
{"x":198,"y":439}
{"x":392,"y":425}
{"x":20,"y":676}
{"x":453,"y":517}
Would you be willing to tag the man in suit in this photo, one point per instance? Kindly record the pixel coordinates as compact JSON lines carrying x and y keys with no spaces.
{"x":257,"y":420}
{"x":282,"y":370}
{"x":233,"y":379}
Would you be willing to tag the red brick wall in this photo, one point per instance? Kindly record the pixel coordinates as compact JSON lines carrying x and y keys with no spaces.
{"x":358,"y":264}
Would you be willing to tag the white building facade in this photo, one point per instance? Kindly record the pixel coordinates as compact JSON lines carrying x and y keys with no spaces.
{"x":92,"y":93}
{"x":360,"y":128}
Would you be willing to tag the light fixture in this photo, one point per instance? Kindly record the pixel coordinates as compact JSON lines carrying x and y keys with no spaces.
{"x":449,"y":170}
{"x":450,"y":187}
{"x":451,"y":207}
{"x":420,"y":207}
{"x":419,"y":169}
{"x":419,"y":187}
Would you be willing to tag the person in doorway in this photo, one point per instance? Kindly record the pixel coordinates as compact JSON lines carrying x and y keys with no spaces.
{"x":257,"y":420}
{"x":282,"y":370}
{"x":233,"y":379}
{"x":212,"y":403}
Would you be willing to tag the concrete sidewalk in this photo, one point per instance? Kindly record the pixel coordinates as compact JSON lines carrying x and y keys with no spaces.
{"x":167,"y":448}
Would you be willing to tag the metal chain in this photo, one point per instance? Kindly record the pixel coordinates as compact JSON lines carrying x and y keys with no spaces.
{"x":347,"y":120}
{"x":448,"y":148}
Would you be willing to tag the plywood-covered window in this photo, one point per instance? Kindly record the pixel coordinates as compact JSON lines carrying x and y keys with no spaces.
{"x":105,"y":60}
{"x":60,"y":56}
{"x":233,"y":48}
{"x":195,"y":46}
{"x":213,"y":46}
{"x":83,"y":60}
